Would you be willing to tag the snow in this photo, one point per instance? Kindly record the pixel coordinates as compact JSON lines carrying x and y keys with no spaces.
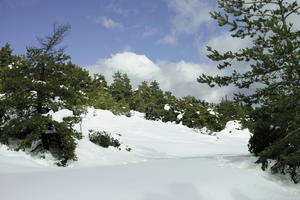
{"x":63,"y":87}
{"x":59,"y":116}
{"x":212,"y":112}
{"x":82,"y":93}
{"x":38,"y":81}
{"x":166,"y":107}
{"x":167,"y":162}
{"x":180,"y":116}
{"x":33,"y":93}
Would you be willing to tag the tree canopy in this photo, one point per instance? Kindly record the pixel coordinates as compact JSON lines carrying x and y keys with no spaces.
{"x":272,"y":60}
{"x":36,"y":84}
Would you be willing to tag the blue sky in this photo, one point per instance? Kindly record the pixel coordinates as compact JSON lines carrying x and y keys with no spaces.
{"x":161,"y":40}
{"x":104,"y":27}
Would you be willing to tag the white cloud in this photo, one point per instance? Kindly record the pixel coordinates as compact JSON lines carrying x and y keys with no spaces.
{"x":189,"y":16}
{"x":137,"y":66}
{"x":119,"y":7}
{"x":120,"y":11}
{"x":295,"y":20}
{"x":177,"y":77}
{"x":224,"y":42}
{"x":149,"y":31}
{"x":109,"y":23}
{"x":168,"y":39}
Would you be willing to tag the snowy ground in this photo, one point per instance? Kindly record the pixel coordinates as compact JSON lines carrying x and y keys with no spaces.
{"x":167,"y":162}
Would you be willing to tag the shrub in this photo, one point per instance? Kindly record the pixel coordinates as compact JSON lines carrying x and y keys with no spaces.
{"x":40,"y":134}
{"x":103,"y":139}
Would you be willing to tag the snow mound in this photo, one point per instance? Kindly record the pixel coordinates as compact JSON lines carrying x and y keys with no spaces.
{"x":167,"y":161}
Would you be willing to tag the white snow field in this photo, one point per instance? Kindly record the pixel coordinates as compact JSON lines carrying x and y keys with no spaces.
{"x":167,"y":162}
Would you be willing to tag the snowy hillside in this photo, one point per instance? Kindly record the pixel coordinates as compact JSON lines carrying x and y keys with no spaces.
{"x":167,"y":162}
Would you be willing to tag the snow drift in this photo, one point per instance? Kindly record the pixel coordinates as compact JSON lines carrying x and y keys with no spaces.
{"x":167,"y":161}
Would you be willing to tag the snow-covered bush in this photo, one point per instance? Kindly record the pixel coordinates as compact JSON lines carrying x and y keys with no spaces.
{"x":103,"y":139}
{"x":40,"y":134}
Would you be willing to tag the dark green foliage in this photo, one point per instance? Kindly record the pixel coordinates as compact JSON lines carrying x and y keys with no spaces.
{"x":121,"y":88}
{"x":41,"y":134}
{"x":228,"y":110}
{"x":103,"y":139}
{"x":286,"y":152}
{"x":150,"y":100}
{"x":170,"y":113}
{"x":141,"y":97}
{"x":273,"y":57}
{"x":41,"y":81}
{"x":121,"y":91}
{"x":273,"y":60}
{"x":6,"y":59}
{"x":100,"y":96}
{"x":277,"y":135}
{"x":195,"y":114}
{"x":156,"y":102}
{"x":99,"y":93}
{"x":191,"y":112}
{"x":266,"y":130}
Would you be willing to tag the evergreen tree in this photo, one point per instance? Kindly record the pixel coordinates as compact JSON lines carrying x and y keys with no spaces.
{"x":274,"y":64}
{"x":228,"y":110}
{"x":195,"y":114}
{"x":141,"y":97}
{"x":121,"y":91}
{"x":155,"y":107}
{"x":170,"y":112}
{"x":6,"y":61}
{"x":43,"y":80}
{"x":121,"y":88}
{"x":99,"y":93}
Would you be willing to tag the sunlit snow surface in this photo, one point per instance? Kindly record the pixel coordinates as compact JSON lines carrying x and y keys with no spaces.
{"x":167,"y":162}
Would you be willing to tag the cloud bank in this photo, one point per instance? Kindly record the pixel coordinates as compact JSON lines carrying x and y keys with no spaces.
{"x":189,"y":16}
{"x":178,"y":77}
{"x":109,"y":23}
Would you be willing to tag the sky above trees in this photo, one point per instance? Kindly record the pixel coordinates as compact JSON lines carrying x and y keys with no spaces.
{"x":160,"y":40}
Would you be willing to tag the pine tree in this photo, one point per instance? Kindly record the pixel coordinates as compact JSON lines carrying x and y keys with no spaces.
{"x":170,"y":112}
{"x":6,"y":59}
{"x":121,"y":88}
{"x":36,"y":84}
{"x":155,"y":107}
{"x":141,"y":97}
{"x":195,"y":114}
{"x":273,"y":59}
{"x":229,"y":110}
{"x":99,"y":93}
{"x":121,"y":91}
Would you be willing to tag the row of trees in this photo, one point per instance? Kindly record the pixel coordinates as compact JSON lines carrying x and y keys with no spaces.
{"x":44,"y":80}
{"x":157,"y":104}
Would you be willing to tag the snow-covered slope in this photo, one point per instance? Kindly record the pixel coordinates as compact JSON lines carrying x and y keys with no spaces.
{"x":167,"y":162}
